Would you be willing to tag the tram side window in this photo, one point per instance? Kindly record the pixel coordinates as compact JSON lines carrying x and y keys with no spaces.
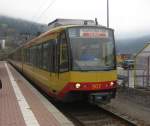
{"x":63,"y":54}
{"x":28,"y":55}
{"x":25,"y":55}
{"x":56,"y":56}
{"x":45,"y":56}
{"x":19,"y":55}
{"x":39,"y":57}
{"x":51,"y":56}
{"x":31,"y":55}
{"x":34,"y":56}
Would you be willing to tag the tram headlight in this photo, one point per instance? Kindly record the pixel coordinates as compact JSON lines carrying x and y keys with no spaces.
{"x":112,"y":83}
{"x":77,"y":85}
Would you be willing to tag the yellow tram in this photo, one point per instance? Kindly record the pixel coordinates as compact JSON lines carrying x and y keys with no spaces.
{"x":71,"y":62}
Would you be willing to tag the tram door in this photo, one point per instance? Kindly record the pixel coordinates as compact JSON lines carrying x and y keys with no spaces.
{"x":54,"y":74}
{"x":61,"y":62}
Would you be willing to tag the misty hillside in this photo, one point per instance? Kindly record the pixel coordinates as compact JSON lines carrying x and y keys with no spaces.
{"x":19,"y":25}
{"x":17,"y":31}
{"x":131,"y":45}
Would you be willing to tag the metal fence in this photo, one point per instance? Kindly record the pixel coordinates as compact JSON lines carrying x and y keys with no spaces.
{"x":142,"y":68}
{"x":126,"y":77}
{"x":139,"y":77}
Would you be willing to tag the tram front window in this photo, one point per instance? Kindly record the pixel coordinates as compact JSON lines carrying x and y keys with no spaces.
{"x":92,"y":49}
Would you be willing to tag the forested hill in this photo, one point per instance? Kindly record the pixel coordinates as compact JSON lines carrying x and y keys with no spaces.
{"x":18,"y":30}
{"x":131,"y":45}
{"x":19,"y":25}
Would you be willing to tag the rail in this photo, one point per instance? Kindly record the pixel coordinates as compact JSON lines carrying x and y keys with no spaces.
{"x":84,"y":114}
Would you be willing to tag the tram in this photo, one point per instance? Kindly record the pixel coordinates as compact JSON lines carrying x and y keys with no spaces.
{"x":71,"y":62}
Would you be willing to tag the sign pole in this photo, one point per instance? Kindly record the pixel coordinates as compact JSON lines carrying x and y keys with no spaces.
{"x":108,"y":13}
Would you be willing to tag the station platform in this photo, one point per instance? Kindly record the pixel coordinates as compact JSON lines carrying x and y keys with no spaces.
{"x":22,"y":105}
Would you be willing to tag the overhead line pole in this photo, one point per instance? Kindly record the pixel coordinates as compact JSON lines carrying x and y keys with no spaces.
{"x":108,"y":13}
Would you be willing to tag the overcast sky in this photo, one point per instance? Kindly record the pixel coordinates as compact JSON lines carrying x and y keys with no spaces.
{"x":127,"y":17}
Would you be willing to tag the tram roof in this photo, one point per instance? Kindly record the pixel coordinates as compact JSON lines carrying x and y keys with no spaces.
{"x":54,"y":30}
{"x":60,"y":28}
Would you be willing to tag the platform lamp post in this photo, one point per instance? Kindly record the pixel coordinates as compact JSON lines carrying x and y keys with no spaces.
{"x":108,"y":13}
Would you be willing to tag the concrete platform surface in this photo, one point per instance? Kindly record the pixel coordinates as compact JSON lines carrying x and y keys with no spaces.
{"x":22,"y":105}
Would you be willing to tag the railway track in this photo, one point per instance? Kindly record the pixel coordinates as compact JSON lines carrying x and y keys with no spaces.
{"x":84,"y":114}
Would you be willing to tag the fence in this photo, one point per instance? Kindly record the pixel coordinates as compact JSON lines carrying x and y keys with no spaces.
{"x":126,"y":77}
{"x":142,"y":68}
{"x":139,"y":77}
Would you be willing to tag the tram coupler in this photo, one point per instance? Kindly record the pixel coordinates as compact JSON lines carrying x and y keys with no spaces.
{"x":99,"y":98}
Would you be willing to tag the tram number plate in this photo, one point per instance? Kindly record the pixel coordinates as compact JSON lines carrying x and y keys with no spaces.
{"x":96,"y":86}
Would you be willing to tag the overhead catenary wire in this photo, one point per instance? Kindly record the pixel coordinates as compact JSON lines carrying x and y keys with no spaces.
{"x":33,"y":18}
{"x":50,"y":4}
{"x":38,"y":17}
{"x":38,"y":10}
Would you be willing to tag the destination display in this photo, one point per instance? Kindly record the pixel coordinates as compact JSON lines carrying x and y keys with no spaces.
{"x":93,"y":33}
{"x":88,"y":33}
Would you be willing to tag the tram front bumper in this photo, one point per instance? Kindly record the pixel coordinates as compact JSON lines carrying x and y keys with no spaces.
{"x":100,"y":97}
